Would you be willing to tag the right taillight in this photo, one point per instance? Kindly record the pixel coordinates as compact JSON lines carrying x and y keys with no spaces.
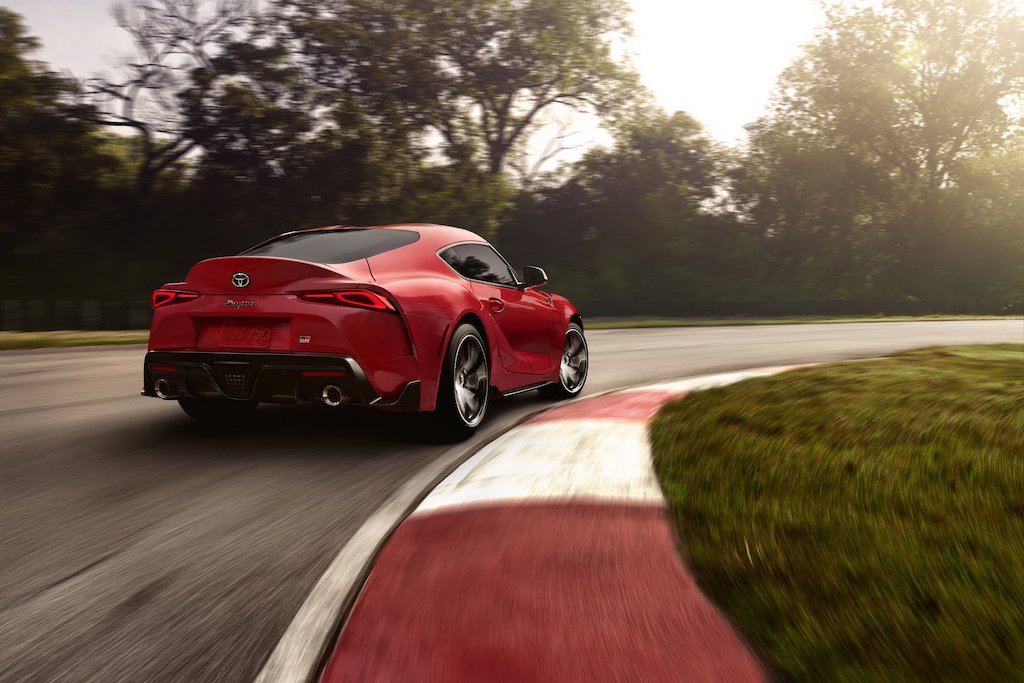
{"x":360,"y":298}
{"x":163,"y":297}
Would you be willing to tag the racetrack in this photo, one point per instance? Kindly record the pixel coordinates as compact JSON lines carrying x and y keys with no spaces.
{"x":136,"y":545}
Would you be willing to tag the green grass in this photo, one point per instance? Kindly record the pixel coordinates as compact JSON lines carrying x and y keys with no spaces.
{"x":38,"y":340}
{"x":625,"y":323}
{"x":861,"y":521}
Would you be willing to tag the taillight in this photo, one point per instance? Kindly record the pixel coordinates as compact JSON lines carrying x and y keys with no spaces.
{"x":162,"y":297}
{"x":360,"y":298}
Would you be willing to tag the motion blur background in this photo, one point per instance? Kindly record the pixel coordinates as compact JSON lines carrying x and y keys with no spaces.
{"x":882,"y":172}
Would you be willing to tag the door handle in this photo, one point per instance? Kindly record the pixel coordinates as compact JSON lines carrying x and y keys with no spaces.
{"x":497,"y":305}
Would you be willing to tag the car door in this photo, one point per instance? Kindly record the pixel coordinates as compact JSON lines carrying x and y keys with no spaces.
{"x":523,"y":319}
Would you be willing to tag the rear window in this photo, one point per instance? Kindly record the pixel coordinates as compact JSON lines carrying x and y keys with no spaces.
{"x":335,"y":246}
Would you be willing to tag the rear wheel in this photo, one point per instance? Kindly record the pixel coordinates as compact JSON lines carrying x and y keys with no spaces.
{"x":465,"y":384}
{"x":217,"y":410}
{"x":572,"y":370}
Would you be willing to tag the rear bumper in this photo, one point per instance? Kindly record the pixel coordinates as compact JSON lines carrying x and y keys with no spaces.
{"x":267,"y":377}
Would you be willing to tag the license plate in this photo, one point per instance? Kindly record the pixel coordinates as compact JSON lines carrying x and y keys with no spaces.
{"x":245,"y":335}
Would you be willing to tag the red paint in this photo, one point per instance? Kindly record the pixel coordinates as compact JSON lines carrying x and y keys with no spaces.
{"x":627,"y":406}
{"x":536,"y":593}
{"x":393,"y":350}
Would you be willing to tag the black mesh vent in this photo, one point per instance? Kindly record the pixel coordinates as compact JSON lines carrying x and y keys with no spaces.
{"x":236,"y":379}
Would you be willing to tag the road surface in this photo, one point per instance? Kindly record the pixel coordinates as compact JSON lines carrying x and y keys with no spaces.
{"x":138,"y":545}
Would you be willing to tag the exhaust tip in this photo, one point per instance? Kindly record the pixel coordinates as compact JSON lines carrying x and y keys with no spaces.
{"x":331,"y":396}
{"x":163,"y":388}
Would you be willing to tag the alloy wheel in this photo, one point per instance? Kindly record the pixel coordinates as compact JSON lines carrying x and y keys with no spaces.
{"x":471,"y":380}
{"x":575,"y":357}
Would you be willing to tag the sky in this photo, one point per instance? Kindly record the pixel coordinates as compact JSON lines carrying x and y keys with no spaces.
{"x":715,"y":59}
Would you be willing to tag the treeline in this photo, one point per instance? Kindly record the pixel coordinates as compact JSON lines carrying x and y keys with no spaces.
{"x":890,"y":165}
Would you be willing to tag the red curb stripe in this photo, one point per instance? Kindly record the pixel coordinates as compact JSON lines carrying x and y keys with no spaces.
{"x":631,"y":406}
{"x":536,"y":592}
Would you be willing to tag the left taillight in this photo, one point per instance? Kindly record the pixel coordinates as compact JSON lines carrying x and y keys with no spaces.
{"x":163,"y":297}
{"x":359,"y":298}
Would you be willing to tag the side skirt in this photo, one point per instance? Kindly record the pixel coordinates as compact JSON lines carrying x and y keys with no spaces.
{"x":523,"y":390}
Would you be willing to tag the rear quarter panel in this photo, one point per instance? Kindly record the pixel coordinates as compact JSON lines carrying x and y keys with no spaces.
{"x":431,"y":304}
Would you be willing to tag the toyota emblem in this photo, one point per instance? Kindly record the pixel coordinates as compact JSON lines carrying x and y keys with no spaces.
{"x":240,"y":280}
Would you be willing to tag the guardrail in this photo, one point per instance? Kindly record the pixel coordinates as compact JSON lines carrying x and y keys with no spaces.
{"x":36,"y":316}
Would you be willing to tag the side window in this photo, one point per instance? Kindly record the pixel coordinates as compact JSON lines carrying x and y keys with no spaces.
{"x":479,"y":262}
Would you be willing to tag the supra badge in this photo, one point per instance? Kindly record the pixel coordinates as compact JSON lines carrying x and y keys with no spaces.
{"x":240,"y":280}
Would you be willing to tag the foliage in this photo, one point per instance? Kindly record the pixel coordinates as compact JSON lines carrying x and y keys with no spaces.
{"x":171,"y":38}
{"x":857,"y":175}
{"x":477,"y":73}
{"x":629,"y":218}
{"x":889,"y":167}
{"x":55,"y":167}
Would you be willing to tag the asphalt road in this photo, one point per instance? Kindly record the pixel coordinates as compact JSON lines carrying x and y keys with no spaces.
{"x":136,"y":545}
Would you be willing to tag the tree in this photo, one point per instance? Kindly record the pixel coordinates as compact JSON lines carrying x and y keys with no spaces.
{"x":172,"y":38}
{"x":880,"y":118}
{"x":637,"y":220}
{"x":914,"y":85}
{"x":53,"y":168}
{"x":248,"y":109}
{"x":477,"y":73}
{"x":822,"y":214}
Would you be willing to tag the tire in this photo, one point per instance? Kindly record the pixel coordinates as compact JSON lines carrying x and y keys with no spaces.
{"x":572,"y":370}
{"x":222,"y":411}
{"x":465,"y":385}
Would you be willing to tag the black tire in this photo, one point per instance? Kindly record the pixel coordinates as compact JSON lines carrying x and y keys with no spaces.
{"x":576,"y":355}
{"x":464,"y":389}
{"x":220,"y":411}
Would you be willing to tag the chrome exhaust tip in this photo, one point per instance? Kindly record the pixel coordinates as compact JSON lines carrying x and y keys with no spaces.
{"x":331,"y":396}
{"x":163,"y":388}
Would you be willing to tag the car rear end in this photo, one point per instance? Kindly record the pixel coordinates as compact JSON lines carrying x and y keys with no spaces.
{"x":266,"y":328}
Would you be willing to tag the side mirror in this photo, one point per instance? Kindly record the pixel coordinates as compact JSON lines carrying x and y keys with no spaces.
{"x":534,"y":276}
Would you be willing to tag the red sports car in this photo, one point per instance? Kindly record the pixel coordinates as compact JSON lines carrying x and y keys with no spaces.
{"x":398,"y":317}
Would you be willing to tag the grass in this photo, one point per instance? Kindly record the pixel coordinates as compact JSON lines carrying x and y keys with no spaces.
{"x":861,"y":521}
{"x":38,"y":340}
{"x":625,"y":323}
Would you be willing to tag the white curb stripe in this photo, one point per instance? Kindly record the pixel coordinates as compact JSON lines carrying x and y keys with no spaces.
{"x":564,"y":460}
{"x":561,"y":460}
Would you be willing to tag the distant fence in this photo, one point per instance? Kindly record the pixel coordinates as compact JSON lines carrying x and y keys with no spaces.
{"x":34,"y":316}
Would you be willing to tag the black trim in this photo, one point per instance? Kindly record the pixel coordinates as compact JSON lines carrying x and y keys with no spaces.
{"x":528,"y":387}
{"x":268,"y":377}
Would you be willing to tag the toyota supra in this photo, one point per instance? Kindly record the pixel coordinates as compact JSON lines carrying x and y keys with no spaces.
{"x":411,"y":317}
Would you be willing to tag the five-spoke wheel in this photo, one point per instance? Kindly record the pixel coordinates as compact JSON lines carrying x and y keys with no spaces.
{"x":465,"y":384}
{"x":471,"y":381}
{"x":572,"y":370}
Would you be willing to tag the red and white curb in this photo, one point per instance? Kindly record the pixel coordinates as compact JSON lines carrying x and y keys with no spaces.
{"x":548,"y":555}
